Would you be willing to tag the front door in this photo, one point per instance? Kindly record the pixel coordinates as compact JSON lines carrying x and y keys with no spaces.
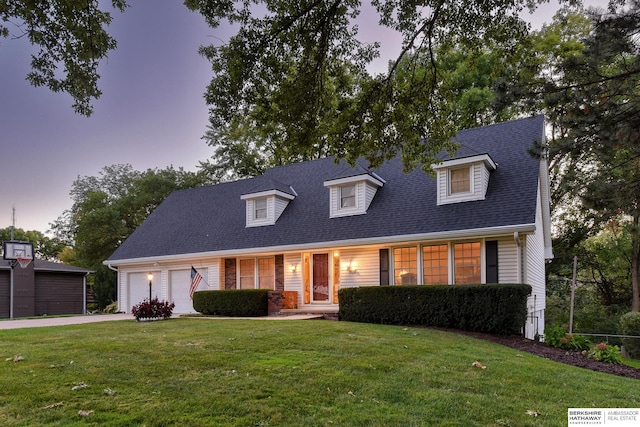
{"x":321,"y":277}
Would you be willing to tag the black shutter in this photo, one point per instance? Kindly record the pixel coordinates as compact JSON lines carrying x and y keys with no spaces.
{"x":491,"y":252}
{"x":384,"y":267}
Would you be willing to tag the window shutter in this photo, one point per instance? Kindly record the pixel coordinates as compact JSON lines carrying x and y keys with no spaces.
{"x":491,"y":251}
{"x":384,"y":267}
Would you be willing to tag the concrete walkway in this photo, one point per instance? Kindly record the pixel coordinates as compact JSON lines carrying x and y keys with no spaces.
{"x":78,"y":320}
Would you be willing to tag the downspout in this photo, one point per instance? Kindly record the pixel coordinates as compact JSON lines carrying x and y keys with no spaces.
{"x":516,"y":237}
{"x":84,"y":294}
{"x":11,"y":295}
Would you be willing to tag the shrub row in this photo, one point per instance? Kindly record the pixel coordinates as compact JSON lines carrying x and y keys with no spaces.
{"x":497,"y":309}
{"x":630,"y":325}
{"x":235,"y":303}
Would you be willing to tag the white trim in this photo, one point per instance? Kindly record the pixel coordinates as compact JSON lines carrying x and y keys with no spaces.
{"x":383,"y":240}
{"x":353,"y":179}
{"x":262,"y":194}
{"x":488,"y":161}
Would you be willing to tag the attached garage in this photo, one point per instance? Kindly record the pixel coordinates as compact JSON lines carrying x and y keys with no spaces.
{"x":179,"y":284}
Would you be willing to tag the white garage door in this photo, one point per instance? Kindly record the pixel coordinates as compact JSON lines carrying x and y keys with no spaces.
{"x":179,"y":283}
{"x":139,"y":288}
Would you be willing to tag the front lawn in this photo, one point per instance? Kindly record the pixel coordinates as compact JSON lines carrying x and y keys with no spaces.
{"x":195,"y":371}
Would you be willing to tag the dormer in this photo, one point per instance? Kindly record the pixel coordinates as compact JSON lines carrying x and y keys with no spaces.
{"x":464,"y":179}
{"x":264,"y":205}
{"x":352,"y":193}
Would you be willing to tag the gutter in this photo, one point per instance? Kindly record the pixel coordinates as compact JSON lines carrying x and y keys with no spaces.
{"x":383,"y":240}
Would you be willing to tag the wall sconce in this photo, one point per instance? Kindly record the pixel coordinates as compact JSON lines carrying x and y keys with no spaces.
{"x":350,"y":267}
{"x":293,"y":268}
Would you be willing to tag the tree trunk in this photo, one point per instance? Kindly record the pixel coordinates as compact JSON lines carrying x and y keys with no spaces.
{"x":635,"y":256}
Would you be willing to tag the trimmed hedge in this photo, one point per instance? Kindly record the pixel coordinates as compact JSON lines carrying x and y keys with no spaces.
{"x":630,"y":325}
{"x":498,"y":309}
{"x":234,"y":303}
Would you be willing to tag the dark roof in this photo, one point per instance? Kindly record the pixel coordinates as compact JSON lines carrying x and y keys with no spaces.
{"x":42,"y":265}
{"x":213,"y":218}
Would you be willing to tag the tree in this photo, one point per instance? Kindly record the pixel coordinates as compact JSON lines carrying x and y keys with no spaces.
{"x":70,"y":34}
{"x":107,"y":208}
{"x":599,"y":100}
{"x":44,"y":247}
{"x":294,"y":77}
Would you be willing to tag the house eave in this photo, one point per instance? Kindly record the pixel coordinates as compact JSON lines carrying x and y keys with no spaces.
{"x":382,"y":240}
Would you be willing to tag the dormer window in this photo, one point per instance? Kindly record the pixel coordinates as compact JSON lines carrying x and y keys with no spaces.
{"x":459,"y":180}
{"x":347,"y":196}
{"x":464,"y":179}
{"x":260,"y":208}
{"x":264,"y":207}
{"x":352,"y":195}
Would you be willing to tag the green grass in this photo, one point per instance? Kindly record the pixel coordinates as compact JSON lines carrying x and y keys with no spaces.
{"x":285,"y":373}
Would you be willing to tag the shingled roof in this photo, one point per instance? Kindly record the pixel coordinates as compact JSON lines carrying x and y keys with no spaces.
{"x":212,"y":219}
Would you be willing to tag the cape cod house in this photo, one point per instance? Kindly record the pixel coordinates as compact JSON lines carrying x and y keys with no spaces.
{"x":318,"y":226}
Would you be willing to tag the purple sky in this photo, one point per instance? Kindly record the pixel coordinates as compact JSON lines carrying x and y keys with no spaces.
{"x":151,"y":114}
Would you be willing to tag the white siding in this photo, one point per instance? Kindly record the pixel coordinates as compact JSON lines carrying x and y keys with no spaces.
{"x":507,"y":260}
{"x":367,"y":267}
{"x":293,"y":281}
{"x":370,"y":192}
{"x":279,"y":206}
{"x":535,"y":276}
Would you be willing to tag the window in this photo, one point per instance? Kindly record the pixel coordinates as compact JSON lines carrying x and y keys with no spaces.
{"x":257,"y":273}
{"x":405,"y":266}
{"x":247,"y":274}
{"x":347,"y":196}
{"x":467,"y":263}
{"x":459,"y":181}
{"x":266,"y":273}
{"x":260,"y":209}
{"x":435,"y":265}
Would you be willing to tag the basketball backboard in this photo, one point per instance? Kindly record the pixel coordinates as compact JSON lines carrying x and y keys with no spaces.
{"x":15,"y":250}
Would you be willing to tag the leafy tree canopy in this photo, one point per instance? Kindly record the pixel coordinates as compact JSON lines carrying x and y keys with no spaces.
{"x":294,"y":78}
{"x":71,"y":38}
{"x":107,"y":208}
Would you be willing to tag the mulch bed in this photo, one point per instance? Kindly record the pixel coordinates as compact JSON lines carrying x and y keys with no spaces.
{"x":574,"y":358}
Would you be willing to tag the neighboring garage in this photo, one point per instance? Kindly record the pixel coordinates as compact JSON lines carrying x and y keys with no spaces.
{"x":42,"y":288}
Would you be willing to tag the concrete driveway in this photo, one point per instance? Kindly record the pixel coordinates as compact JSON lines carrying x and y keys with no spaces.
{"x":60,"y":321}
{"x":78,"y":320}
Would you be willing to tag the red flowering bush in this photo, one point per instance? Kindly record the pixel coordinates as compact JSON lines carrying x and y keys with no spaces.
{"x":153,"y":309}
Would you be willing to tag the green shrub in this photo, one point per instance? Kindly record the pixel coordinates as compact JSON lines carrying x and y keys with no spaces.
{"x":500,"y":309}
{"x":111,"y":308}
{"x":605,"y":353}
{"x":557,"y":336}
{"x":234,"y":303}
{"x":630,"y":325}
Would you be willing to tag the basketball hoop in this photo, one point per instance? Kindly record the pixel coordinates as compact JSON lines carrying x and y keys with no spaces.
{"x":24,"y":262}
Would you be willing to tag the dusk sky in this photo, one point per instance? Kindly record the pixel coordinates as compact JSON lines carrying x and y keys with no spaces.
{"x":151,"y":114}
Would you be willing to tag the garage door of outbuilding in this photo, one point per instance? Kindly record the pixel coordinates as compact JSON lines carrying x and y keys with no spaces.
{"x":57,"y":293}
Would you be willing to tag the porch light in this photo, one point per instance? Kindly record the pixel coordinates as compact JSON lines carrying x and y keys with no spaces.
{"x":150,"y":277}
{"x":293,"y":267}
{"x":350,"y":267}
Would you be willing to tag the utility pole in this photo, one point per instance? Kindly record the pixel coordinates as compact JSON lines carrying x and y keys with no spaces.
{"x":13,"y":219}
